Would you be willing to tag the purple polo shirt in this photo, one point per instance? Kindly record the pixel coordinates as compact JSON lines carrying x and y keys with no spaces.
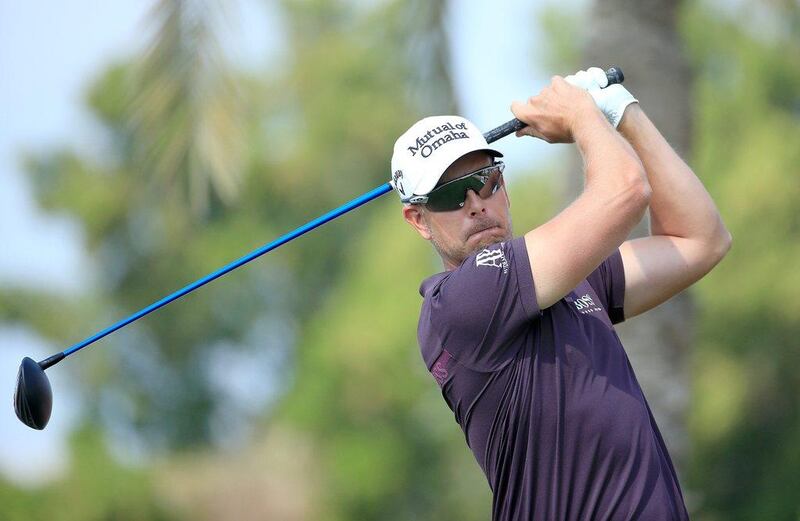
{"x":547,"y":399}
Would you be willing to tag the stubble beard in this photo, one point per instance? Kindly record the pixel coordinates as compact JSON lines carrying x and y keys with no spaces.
{"x":454,"y":256}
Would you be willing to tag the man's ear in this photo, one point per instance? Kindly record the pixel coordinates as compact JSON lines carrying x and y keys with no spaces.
{"x":413,"y":214}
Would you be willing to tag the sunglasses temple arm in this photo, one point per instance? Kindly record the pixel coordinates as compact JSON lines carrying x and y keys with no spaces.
{"x":614,"y":75}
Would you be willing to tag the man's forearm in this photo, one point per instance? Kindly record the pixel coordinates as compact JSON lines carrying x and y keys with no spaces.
{"x":610,"y":162}
{"x":680,"y":206}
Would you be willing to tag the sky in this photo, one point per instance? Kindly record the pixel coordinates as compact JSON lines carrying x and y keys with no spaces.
{"x":51,"y":51}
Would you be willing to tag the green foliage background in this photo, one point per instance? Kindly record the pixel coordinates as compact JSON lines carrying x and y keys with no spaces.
{"x":356,"y":428}
{"x":746,"y":406}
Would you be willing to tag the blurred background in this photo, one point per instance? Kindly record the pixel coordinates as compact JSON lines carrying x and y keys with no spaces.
{"x":145,"y":144}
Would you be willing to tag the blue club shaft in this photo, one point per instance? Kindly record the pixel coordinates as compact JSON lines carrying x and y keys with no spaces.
{"x":319,"y":221}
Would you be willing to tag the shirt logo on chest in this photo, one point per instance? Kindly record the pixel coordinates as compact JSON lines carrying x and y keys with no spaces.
{"x":586,"y":305}
{"x":494,"y":258}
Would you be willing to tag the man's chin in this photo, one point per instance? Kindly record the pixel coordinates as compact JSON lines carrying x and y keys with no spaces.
{"x":486,"y":238}
{"x":474,"y":243}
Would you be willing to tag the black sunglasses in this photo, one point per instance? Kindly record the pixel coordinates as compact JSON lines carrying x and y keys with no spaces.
{"x":452,"y":194}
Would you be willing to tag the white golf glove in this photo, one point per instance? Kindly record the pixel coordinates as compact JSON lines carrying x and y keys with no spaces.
{"x":612,"y":100}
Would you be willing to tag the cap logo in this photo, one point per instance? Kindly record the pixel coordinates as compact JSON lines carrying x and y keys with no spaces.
{"x":397,"y":178}
{"x":427,"y":145}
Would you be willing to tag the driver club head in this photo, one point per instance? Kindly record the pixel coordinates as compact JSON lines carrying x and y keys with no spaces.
{"x":33,"y":397}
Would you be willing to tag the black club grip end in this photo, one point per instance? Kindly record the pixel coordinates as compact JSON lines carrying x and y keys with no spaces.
{"x":614,"y":75}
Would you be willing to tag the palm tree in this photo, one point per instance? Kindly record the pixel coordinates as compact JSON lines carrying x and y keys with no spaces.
{"x":187,"y":114}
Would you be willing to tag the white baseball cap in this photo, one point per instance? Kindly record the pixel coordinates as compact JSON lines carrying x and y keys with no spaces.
{"x":428,"y":148}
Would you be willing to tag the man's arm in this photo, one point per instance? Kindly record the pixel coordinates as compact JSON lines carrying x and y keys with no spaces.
{"x":687,"y":235}
{"x":567,"y":248}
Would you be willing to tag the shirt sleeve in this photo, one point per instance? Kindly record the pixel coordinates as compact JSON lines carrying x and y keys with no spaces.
{"x":484,"y":304}
{"x":608,"y":281}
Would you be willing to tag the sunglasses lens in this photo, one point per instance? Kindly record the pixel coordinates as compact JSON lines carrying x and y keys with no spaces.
{"x":451,"y":196}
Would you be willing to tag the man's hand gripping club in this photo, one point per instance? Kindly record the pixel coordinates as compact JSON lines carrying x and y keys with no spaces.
{"x":556,"y":112}
{"x":611,"y":99}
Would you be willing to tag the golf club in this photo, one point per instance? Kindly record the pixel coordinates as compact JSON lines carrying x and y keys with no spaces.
{"x":33,"y":396}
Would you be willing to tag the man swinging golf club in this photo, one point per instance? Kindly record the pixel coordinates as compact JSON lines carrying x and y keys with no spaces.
{"x":518,"y":331}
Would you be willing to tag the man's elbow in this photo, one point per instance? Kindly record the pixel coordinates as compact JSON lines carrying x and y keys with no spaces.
{"x":719,"y":246}
{"x":645,"y":193}
{"x":639,"y":192}
{"x":628,"y":198}
{"x":724,"y":243}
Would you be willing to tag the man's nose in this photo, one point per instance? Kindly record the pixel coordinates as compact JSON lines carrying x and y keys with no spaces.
{"x":474,"y":203}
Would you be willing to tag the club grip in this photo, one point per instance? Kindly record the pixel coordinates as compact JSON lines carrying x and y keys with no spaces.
{"x":614,"y":75}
